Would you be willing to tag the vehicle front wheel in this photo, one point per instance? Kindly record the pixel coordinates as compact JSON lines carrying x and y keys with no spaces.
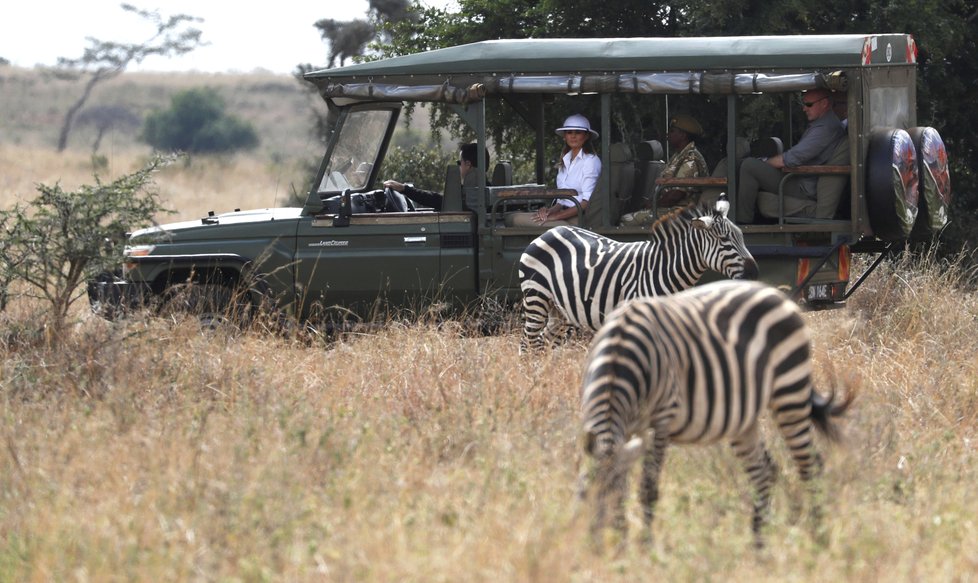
{"x":211,"y":303}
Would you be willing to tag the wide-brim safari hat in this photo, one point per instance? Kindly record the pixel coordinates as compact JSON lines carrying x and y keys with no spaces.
{"x":687,"y":123}
{"x":576,"y":122}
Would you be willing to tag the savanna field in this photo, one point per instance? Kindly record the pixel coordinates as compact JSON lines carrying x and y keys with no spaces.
{"x":152,"y":450}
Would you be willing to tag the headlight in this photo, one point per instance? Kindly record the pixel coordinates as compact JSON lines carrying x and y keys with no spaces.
{"x":134,"y":251}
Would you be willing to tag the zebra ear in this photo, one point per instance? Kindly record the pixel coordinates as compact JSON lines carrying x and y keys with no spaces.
{"x":703,"y":223}
{"x":723,"y":205}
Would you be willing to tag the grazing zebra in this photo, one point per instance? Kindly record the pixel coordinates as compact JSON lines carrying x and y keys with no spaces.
{"x":697,"y":367}
{"x":576,"y":276}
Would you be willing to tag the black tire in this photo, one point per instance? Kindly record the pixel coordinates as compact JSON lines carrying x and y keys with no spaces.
{"x":935,"y":180}
{"x":892,"y":184}
{"x":210,"y":303}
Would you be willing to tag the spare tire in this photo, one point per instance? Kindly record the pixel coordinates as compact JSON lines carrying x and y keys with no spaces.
{"x":892,"y":181}
{"x":935,"y":179}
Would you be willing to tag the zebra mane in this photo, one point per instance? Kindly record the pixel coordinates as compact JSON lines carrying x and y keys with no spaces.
{"x":685,"y":213}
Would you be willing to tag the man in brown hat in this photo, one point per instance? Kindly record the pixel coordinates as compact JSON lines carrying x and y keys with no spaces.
{"x":686,"y":162}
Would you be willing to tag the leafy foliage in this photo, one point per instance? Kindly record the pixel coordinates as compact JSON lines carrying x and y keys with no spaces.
{"x":479,"y":20}
{"x":61,"y":239}
{"x":197,"y":122}
{"x":420,"y":165}
{"x":945,"y":34}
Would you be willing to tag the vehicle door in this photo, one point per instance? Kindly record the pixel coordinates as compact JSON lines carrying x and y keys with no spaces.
{"x":377,"y":263}
{"x":377,"y":260}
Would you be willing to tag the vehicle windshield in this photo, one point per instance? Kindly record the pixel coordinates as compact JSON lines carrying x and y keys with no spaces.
{"x":356,"y":150}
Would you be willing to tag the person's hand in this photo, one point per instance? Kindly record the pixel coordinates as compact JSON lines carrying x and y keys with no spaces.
{"x":394,"y":185}
{"x":541,"y":215}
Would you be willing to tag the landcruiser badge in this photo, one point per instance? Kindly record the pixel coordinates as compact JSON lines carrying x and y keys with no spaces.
{"x":330,"y":244}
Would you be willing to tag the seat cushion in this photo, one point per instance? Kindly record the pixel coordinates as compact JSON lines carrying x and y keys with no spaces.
{"x":830,"y":188}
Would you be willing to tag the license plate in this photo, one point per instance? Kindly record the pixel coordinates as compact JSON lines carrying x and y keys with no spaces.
{"x":820,"y":292}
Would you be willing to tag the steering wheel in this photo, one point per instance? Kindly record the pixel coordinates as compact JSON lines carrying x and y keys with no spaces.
{"x":396,"y":202}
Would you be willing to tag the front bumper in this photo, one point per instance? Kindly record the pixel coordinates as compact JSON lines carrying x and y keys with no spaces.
{"x":111,"y":296}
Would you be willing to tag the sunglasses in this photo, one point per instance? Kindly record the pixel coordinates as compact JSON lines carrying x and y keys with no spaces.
{"x":812,"y":103}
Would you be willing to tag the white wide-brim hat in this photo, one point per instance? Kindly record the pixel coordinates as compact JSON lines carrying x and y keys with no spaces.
{"x":576,"y":122}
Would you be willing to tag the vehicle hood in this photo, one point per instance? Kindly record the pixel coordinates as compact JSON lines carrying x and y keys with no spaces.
{"x":220,"y":222}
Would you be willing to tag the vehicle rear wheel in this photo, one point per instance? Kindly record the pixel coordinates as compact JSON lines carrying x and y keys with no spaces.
{"x":892,"y":184}
{"x":935,"y":180}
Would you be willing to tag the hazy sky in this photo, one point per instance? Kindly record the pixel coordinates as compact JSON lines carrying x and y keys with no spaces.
{"x":275,"y":36}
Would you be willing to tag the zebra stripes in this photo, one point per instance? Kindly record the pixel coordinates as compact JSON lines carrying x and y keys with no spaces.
{"x":576,"y":276}
{"x":697,"y":367}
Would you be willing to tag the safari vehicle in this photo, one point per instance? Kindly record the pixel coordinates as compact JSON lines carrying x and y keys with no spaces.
{"x":355,"y":250}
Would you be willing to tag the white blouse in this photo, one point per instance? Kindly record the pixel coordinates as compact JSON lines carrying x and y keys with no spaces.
{"x":581,"y":174}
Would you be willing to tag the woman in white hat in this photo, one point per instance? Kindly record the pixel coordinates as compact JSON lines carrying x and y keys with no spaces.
{"x":579,"y":170}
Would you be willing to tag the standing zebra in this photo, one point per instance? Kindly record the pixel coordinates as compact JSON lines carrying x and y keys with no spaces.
{"x":697,"y":367}
{"x":575,"y":276}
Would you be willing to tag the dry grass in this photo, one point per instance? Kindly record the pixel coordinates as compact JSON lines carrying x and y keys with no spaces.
{"x":32,"y":106}
{"x":191,"y":188}
{"x":148,"y":450}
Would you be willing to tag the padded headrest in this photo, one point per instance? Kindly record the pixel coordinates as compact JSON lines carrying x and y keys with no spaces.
{"x":743,"y":147}
{"x":620,"y":152}
{"x":502,"y":173}
{"x":650,"y":150}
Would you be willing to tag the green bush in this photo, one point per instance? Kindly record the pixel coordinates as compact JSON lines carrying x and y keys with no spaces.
{"x":59,"y":240}
{"x":197,"y":122}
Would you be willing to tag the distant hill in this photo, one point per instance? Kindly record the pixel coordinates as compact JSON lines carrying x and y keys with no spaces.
{"x":279,"y":172}
{"x":33,"y":103}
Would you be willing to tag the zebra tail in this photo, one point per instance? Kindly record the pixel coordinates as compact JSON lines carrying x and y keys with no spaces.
{"x":824,"y":409}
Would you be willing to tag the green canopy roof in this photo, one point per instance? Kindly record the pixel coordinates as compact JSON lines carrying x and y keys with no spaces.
{"x":591,"y":55}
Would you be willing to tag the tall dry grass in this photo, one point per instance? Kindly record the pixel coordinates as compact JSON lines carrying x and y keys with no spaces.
{"x":191,"y":188}
{"x":149,"y":450}
{"x":32,"y":108}
{"x":33,"y":104}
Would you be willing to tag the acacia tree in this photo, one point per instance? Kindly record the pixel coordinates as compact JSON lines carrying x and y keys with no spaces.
{"x":103,"y":60}
{"x":59,"y":240}
{"x":105,"y":118}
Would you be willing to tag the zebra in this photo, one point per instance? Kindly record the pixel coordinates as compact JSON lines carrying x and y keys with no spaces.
{"x":698,"y":367}
{"x":574,"y":276}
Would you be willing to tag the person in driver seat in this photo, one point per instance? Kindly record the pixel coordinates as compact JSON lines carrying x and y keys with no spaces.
{"x":468,"y":159}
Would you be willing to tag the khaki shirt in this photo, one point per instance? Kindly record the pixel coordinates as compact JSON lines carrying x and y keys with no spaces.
{"x":686,"y":163}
